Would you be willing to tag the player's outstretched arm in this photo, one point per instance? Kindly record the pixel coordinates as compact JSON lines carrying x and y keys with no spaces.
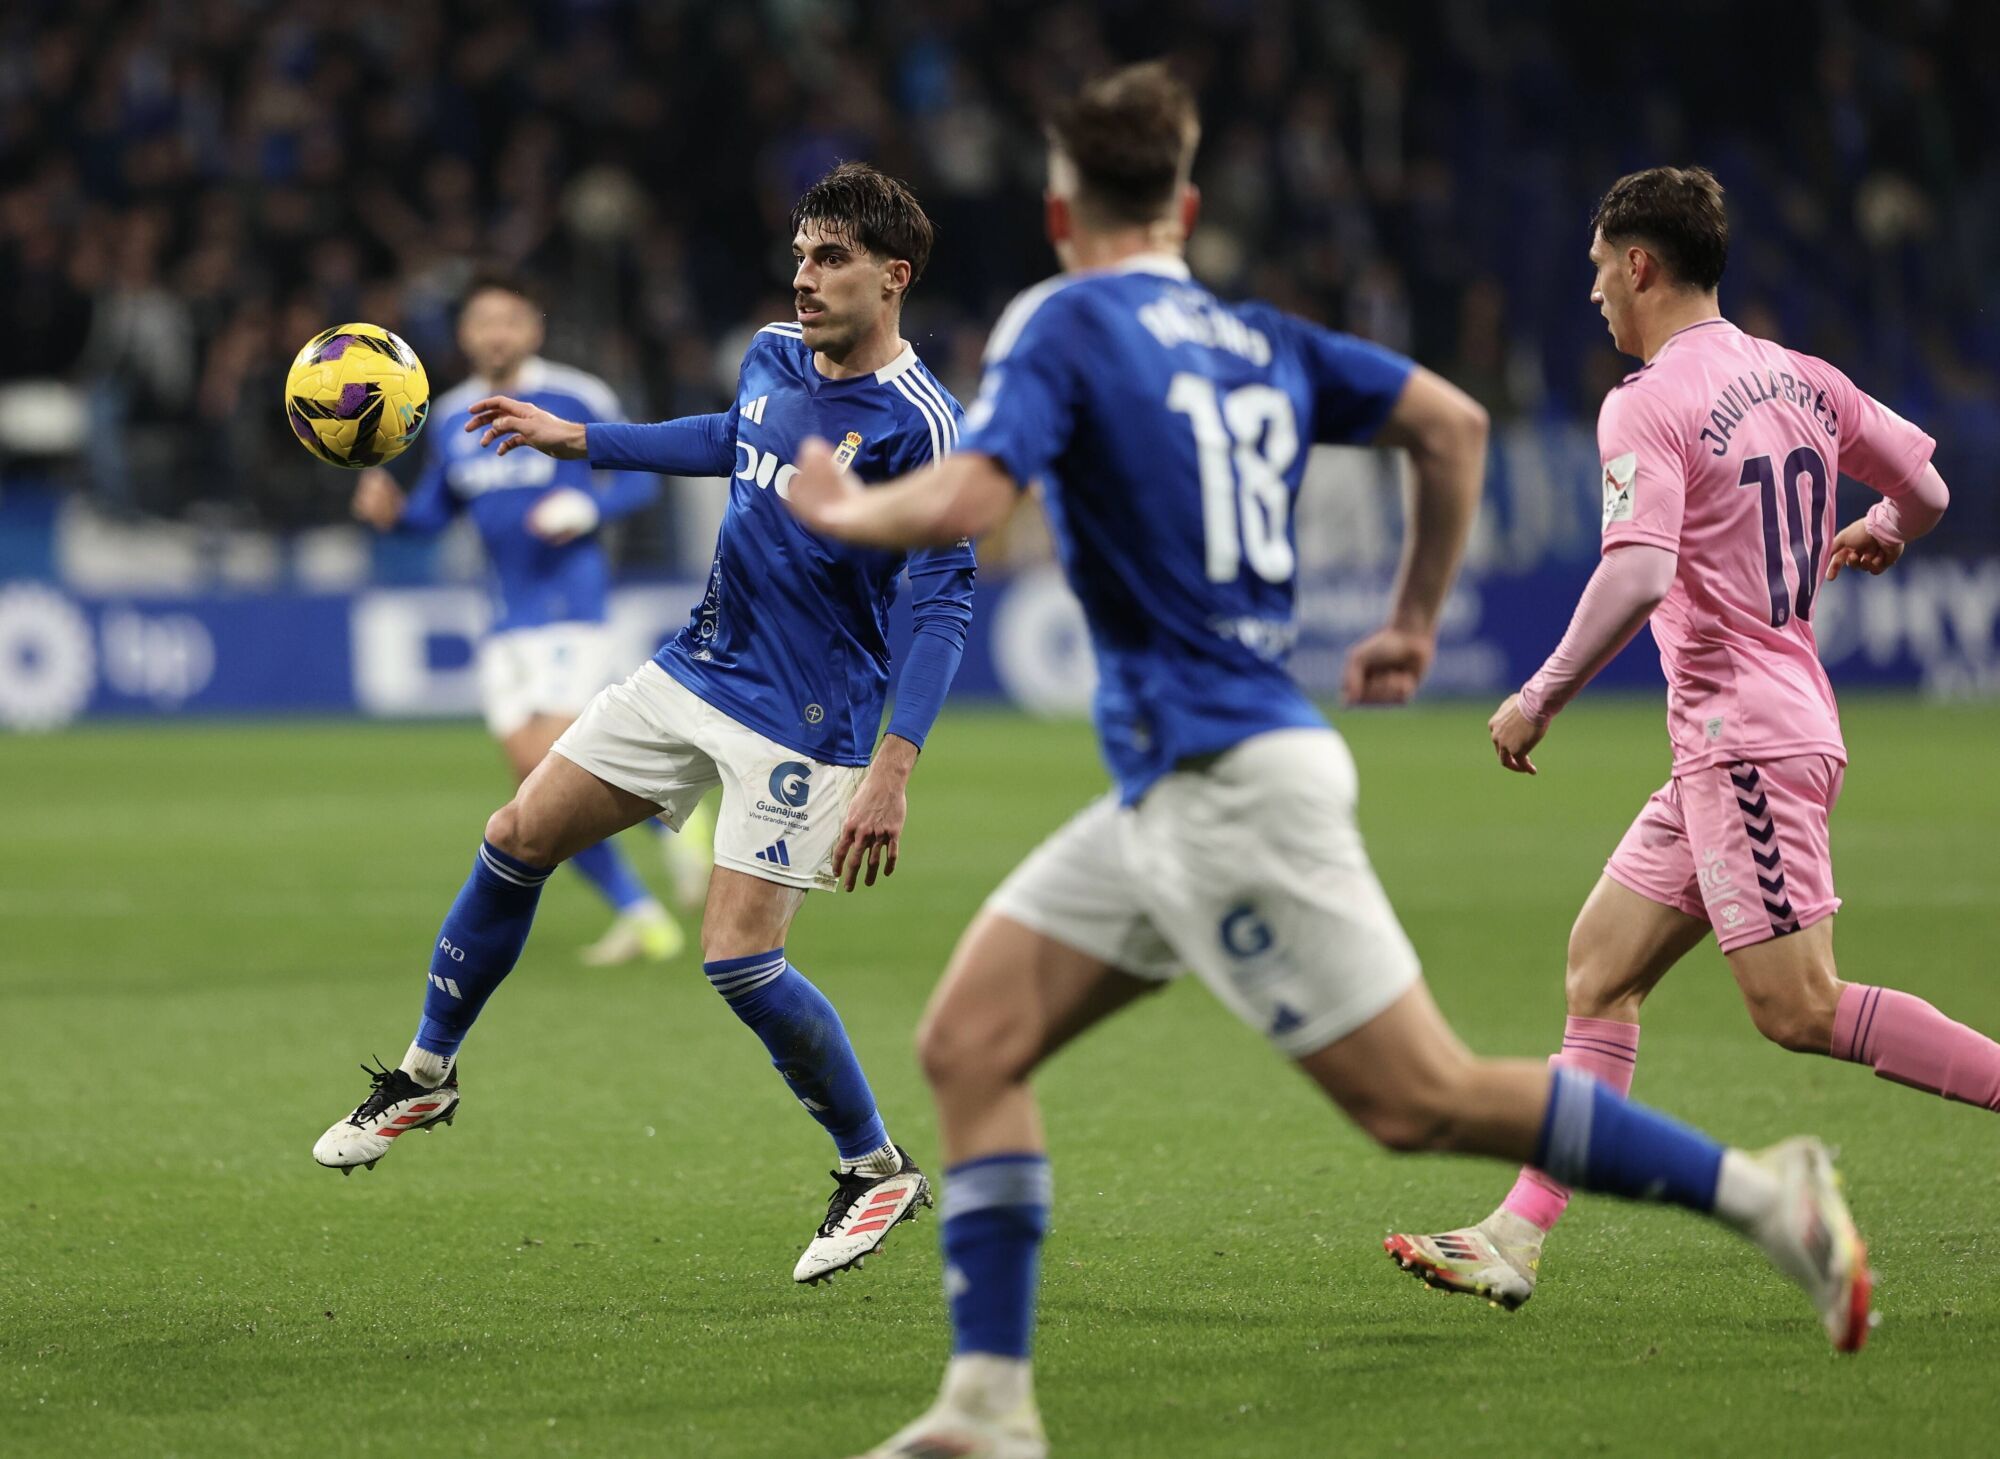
{"x":1621,"y":595}
{"x":967,"y":494}
{"x":515,"y":423}
{"x":1445,"y":432}
{"x":1876,"y":542}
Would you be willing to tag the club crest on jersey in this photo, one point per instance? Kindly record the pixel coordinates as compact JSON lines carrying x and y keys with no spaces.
{"x":847,"y":450}
{"x":1619,"y":472}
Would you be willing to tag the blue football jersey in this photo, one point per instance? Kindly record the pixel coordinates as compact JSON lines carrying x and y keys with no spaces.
{"x":1169,"y":433}
{"x":792,"y":634}
{"x":534,"y":582}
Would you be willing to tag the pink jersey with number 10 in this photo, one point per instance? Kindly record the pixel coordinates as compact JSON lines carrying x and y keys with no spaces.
{"x":1725,"y":449}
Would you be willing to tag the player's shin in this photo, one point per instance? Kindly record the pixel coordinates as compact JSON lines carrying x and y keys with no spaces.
{"x":477,"y":947}
{"x":1901,"y":1037}
{"x":1594,"y":1140}
{"x":809,"y":1046}
{"x":1606,"y":1049}
{"x":996,"y":1212}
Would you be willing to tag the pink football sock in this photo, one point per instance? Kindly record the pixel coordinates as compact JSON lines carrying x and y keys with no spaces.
{"x":1905,"y":1039}
{"x":1608,"y":1051}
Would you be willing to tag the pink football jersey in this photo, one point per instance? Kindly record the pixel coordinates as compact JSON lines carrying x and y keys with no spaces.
{"x":1725,"y":449}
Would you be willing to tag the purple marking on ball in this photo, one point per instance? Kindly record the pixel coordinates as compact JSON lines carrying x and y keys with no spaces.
{"x":352,"y":398}
{"x":301,"y":427}
{"x":334,"y":348}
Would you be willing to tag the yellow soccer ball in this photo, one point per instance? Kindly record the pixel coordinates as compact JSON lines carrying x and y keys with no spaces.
{"x":356,"y":396}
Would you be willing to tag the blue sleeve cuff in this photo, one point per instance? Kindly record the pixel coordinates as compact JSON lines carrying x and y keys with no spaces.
{"x":700,"y":445}
{"x":942,"y":608}
{"x":924,"y":683}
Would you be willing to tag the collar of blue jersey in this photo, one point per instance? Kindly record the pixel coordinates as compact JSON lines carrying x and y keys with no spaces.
{"x":1171,"y":265}
{"x":897,"y":366}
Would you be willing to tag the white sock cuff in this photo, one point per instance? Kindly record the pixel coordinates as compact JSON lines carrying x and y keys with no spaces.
{"x":427,"y":1068}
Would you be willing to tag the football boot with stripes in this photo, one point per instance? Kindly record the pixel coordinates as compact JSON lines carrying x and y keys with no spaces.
{"x":1497,"y":1259}
{"x":396,"y":1104}
{"x":859,"y":1217}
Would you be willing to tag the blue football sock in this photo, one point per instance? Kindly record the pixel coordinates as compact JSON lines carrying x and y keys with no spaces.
{"x":1593,"y":1140}
{"x":996,"y":1211}
{"x":808,"y":1045}
{"x":480,"y":942}
{"x":612,"y":875}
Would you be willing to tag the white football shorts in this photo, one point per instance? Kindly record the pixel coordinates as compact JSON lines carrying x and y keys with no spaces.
{"x":1250,"y":871}
{"x":553,"y":669}
{"x":781,"y":811}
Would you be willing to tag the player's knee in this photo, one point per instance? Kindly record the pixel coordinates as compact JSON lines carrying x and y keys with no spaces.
{"x":959,"y":1047}
{"x":508,"y":830}
{"x":1791,"y":1019}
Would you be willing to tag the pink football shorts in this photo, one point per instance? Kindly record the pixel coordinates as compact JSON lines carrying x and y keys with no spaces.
{"x":1741,"y":846}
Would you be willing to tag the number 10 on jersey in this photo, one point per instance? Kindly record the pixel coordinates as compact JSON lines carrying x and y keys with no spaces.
{"x":1244,"y":443}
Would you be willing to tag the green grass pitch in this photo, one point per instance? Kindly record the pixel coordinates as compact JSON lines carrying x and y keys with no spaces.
{"x":204,"y":929}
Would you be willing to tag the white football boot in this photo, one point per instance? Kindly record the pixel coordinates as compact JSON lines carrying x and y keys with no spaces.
{"x":986,"y":1411}
{"x":395,"y":1106}
{"x":1497,"y":1259}
{"x":648,"y":931}
{"x":1811,"y":1238}
{"x":859,"y":1217}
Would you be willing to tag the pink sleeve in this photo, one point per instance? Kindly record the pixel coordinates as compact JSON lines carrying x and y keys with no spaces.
{"x":1878,"y":447}
{"x":1910,"y":512}
{"x":1644,"y":469}
{"x":1616,"y":603}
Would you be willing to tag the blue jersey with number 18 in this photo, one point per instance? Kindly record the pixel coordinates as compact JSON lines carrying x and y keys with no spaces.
{"x":1169,"y":432}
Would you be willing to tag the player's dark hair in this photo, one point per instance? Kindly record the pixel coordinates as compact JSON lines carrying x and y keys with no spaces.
{"x":1131,"y":135}
{"x":870,"y":210}
{"x":500,"y":281}
{"x":1676,"y":214}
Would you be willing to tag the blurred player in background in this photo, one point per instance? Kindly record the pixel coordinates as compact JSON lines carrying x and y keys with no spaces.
{"x":774,"y":689}
{"x":1720,"y":458}
{"x":1169,"y":432}
{"x":548,"y":650}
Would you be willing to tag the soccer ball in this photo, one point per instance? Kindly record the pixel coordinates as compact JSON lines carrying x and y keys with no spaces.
{"x":356,"y":396}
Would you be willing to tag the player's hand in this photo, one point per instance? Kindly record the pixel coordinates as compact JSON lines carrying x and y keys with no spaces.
{"x":1387,"y":666}
{"x":1855,"y":546}
{"x":563,"y":515}
{"x":873,"y":830}
{"x":515,"y":423}
{"x":1514,"y":734}
{"x":378,"y":501}
{"x":821,"y":494}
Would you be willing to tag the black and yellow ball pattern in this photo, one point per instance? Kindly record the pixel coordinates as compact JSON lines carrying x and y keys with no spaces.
{"x":356,"y":396}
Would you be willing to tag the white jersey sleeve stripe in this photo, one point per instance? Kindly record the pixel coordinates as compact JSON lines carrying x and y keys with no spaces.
{"x":937,"y":443}
{"x":593,"y":392}
{"x":929,"y":388}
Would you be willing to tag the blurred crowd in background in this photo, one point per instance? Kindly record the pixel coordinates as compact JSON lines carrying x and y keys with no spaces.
{"x":188,"y":191}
